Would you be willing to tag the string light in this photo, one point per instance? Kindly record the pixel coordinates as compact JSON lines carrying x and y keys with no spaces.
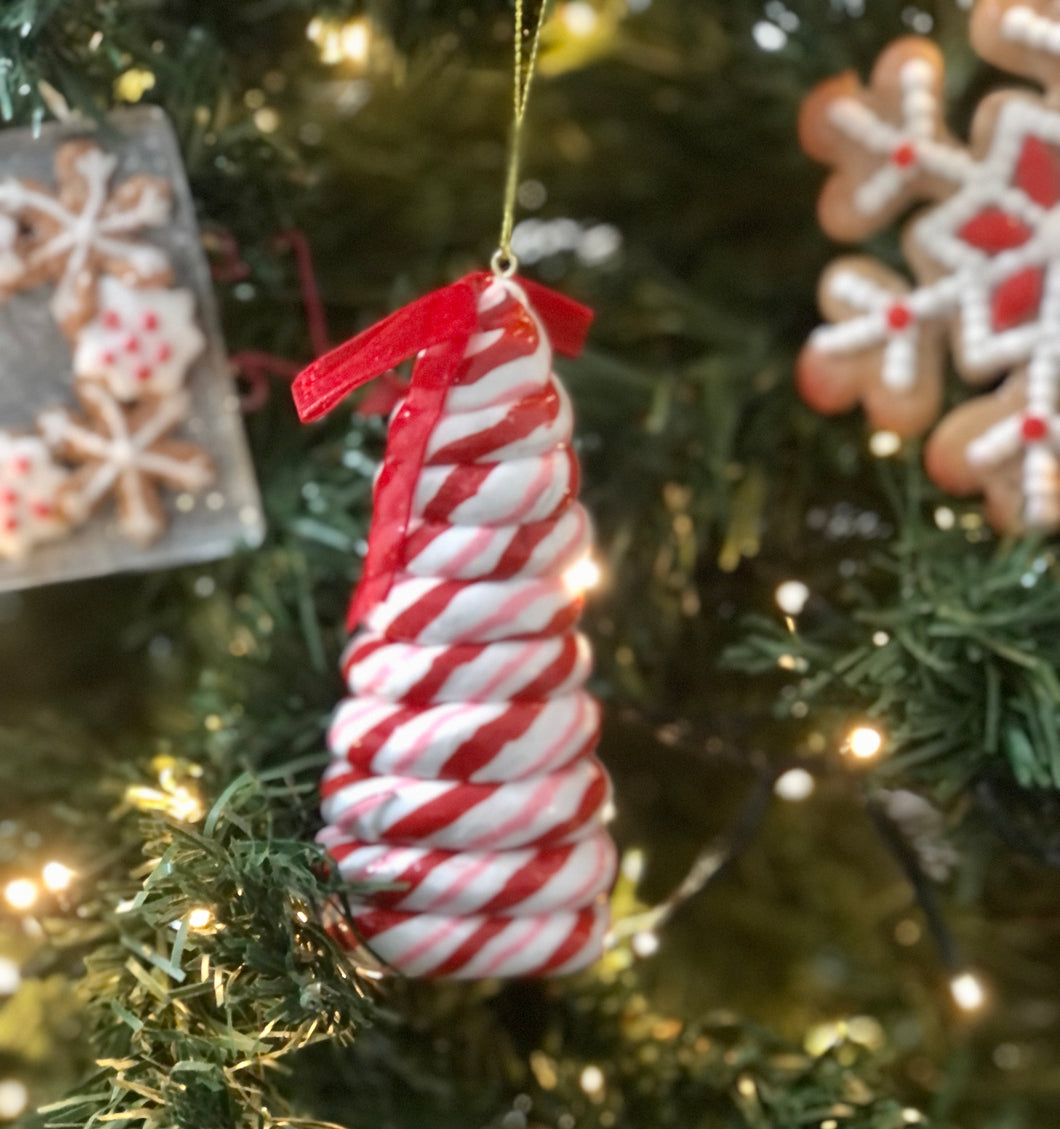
{"x":791,"y":596}
{"x":200,"y":919}
{"x":20,"y":894}
{"x":796,"y":784}
{"x":578,"y":18}
{"x":581,"y":576}
{"x":864,"y":742}
{"x":883,"y":444}
{"x":968,"y":991}
{"x":57,"y":877}
{"x":10,"y":977}
{"x":133,"y":84}
{"x":645,"y":943}
{"x":349,"y":42}
{"x":592,"y":1080}
{"x":14,"y":1097}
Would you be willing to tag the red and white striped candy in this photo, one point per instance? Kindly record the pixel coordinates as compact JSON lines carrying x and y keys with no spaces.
{"x":462,"y":773}
{"x":516,"y":883}
{"x":482,"y":742}
{"x":459,"y":815}
{"x":474,"y":552}
{"x":422,"y":610}
{"x":523,"y":669}
{"x":481,"y":945}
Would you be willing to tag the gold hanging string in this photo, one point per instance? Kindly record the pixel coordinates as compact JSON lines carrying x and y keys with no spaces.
{"x":504,"y":261}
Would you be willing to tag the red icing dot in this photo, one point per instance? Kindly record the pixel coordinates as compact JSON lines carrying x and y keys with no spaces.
{"x":165,"y":351}
{"x":899,"y":317}
{"x":149,"y":320}
{"x":1038,"y":172}
{"x":111,"y":319}
{"x":1018,"y":298}
{"x":9,"y":498}
{"x":143,"y":372}
{"x":20,"y":465}
{"x":41,"y":509}
{"x":994,"y":231}
{"x":904,"y":155}
{"x":11,"y":524}
{"x":131,"y":344}
{"x":1034,"y":429}
{"x":109,"y":357}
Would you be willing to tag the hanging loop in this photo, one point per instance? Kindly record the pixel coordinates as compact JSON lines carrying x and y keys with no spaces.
{"x":504,"y":262}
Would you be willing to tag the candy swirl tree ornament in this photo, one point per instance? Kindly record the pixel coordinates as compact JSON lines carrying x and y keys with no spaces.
{"x":462,"y":773}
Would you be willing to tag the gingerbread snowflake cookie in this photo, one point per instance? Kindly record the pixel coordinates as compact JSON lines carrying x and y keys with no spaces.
{"x":125,"y":453}
{"x":985,"y":255}
{"x":141,"y":342}
{"x":84,"y":228}
{"x":30,"y":485}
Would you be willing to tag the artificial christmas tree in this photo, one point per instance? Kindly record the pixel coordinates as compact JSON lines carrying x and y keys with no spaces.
{"x":829,"y":690}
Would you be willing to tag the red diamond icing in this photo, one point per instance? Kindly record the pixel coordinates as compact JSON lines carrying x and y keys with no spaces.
{"x":41,"y":509}
{"x":143,"y":372}
{"x":904,"y":155}
{"x":131,"y":343}
{"x":1017,"y":299}
{"x":993,"y":231}
{"x":1038,"y":172}
{"x":899,"y":317}
{"x":164,"y":351}
{"x":20,"y":465}
{"x":111,"y":319}
{"x":11,"y":524}
{"x":149,"y":320}
{"x":9,"y":498}
{"x":108,"y":358}
{"x":1034,"y":429}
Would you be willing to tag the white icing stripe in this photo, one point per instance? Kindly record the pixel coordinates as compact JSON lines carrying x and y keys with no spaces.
{"x":473,"y":612}
{"x":519,"y":491}
{"x":502,"y":816}
{"x":466,"y":882}
{"x":455,"y":427}
{"x":426,"y":742}
{"x":519,"y":377}
{"x":494,"y":672}
{"x":471,"y":552}
{"x":421,"y":943}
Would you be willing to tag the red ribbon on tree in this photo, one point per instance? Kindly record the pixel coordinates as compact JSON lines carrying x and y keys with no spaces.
{"x":436,"y":328}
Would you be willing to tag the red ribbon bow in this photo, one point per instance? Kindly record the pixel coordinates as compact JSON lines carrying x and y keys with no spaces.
{"x":437,"y":327}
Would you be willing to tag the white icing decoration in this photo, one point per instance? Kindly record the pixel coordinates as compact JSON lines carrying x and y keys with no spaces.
{"x":124,"y":457}
{"x":29,"y":483}
{"x":90,"y":230}
{"x":142,"y":342}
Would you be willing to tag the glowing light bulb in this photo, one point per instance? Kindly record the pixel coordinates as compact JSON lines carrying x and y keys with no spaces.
{"x":791,"y":596}
{"x":796,"y":784}
{"x":14,"y":1097}
{"x":592,"y":1080}
{"x":21,"y":893}
{"x":968,"y":991}
{"x":883,"y":444}
{"x":200,"y":918}
{"x":579,"y":18}
{"x":57,"y":877}
{"x":645,"y":943}
{"x":10,"y":976}
{"x":355,"y":41}
{"x":349,"y":42}
{"x":864,"y":742}
{"x":581,"y":576}
{"x":133,"y":84}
